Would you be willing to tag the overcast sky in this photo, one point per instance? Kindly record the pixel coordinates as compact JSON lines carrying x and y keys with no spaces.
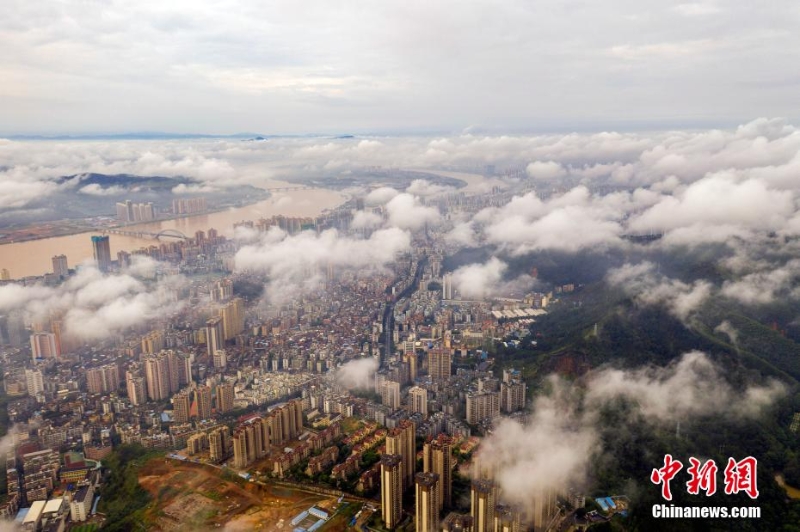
{"x":292,"y":67}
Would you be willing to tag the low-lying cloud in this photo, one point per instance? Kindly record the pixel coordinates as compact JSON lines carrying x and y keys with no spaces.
{"x":357,"y":374}
{"x":94,"y":305}
{"x":553,"y":448}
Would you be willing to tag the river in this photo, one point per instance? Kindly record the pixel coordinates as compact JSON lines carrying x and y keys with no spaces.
{"x":34,"y":257}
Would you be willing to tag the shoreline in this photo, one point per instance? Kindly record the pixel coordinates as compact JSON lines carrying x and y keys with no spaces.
{"x":32,"y":257}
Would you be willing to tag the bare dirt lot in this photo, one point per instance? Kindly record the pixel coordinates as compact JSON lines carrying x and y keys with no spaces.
{"x":195,"y":497}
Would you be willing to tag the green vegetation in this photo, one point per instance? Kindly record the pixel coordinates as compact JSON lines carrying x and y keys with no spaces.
{"x":123,"y":500}
{"x":628,"y":335}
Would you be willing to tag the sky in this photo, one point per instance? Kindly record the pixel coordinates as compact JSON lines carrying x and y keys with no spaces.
{"x":78,"y":67}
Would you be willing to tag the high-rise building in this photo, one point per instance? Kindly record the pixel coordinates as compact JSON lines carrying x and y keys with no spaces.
{"x":447,"y":286}
{"x":440,"y":363}
{"x":239,"y":440}
{"x":123,"y":259}
{"x":482,"y":406}
{"x":506,"y":519}
{"x":222,"y":290}
{"x":157,"y":375}
{"x":410,"y":359}
{"x":202,"y":396}
{"x":401,"y":441}
{"x":418,"y":400}
{"x":101,"y":248}
{"x":232,"y":315}
{"x":5,"y":275}
{"x":390,"y":394}
{"x":137,"y":390}
{"x":34,"y":381}
{"x":44,"y":345}
{"x":188,"y":205}
{"x":60,"y":267}
{"x":64,"y":344}
{"x":184,"y":364}
{"x":220,"y":359}
{"x":437,"y":457}
{"x":427,"y":503}
{"x":544,"y":508}
{"x":135,"y":212}
{"x":391,"y":490}
{"x":153,"y":342}
{"x":104,"y":379}
{"x":512,"y":396}
{"x":483,"y":498}
{"x":181,"y":406}
{"x":215,"y":335}
{"x":218,"y":444}
{"x":225,"y":396}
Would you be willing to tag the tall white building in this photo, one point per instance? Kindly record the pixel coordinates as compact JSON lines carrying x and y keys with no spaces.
{"x":34,"y":381}
{"x":44,"y":345}
{"x":418,"y":400}
{"x":447,"y":286}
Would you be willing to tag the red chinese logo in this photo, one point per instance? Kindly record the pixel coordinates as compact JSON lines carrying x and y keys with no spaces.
{"x":664,"y":475}
{"x":739,"y":476}
{"x":703,"y":477}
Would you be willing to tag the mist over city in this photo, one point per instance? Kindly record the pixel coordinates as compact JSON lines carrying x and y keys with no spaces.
{"x":399,"y":267}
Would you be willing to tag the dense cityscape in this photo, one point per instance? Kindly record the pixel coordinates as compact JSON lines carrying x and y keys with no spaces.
{"x":399,"y":266}
{"x":276,"y":391}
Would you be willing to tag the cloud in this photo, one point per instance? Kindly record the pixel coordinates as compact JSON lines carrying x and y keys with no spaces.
{"x":94,"y":189}
{"x":719,"y":201}
{"x":406,"y":212}
{"x":727,"y":328}
{"x":545,"y":170}
{"x":380,"y":196}
{"x":424,"y":188}
{"x":692,"y":386}
{"x":766,"y":285}
{"x":295,"y":262}
{"x":192,"y":189}
{"x":358,"y":373}
{"x":647,"y":287}
{"x":16,"y":194}
{"x":570,"y":222}
{"x":552,"y":449}
{"x":94,"y":305}
{"x":479,"y":281}
{"x":366,"y":220}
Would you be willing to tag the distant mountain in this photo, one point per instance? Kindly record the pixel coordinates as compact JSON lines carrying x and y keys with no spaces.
{"x":133,"y":136}
{"x":86,"y":195}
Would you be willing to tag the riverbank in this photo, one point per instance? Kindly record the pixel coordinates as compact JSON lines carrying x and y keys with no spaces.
{"x":33,"y":257}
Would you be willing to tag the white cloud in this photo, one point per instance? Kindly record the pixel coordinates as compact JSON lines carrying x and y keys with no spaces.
{"x":646,"y":286}
{"x":294,"y":263}
{"x":380,"y":196}
{"x":94,"y":189}
{"x":94,"y":305}
{"x":553,"y":448}
{"x":358,"y":373}
{"x":424,"y":188}
{"x":545,"y":170}
{"x":406,"y":212}
{"x":366,"y":220}
{"x":481,"y":281}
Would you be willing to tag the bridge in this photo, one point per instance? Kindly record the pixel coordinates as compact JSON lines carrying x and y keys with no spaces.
{"x":166,"y":233}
